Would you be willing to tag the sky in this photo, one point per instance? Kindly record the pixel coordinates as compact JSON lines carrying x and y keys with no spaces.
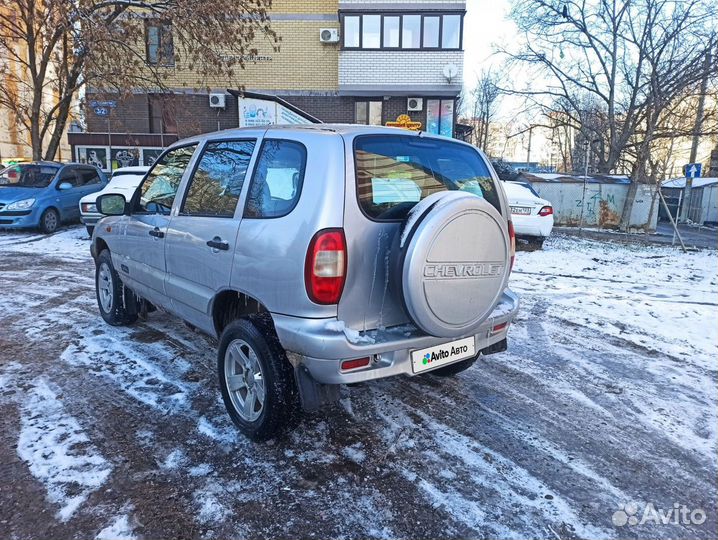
{"x":485,"y":25}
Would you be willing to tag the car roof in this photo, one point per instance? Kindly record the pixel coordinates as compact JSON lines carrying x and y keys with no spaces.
{"x":339,"y":129}
{"x":134,"y":169}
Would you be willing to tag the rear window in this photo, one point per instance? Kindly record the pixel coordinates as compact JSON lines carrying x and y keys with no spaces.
{"x":394,"y":172}
{"x":37,"y":176}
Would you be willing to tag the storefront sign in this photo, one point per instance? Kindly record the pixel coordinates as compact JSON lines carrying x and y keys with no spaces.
{"x":108,"y":159}
{"x":404,"y":121}
{"x":262,"y":112}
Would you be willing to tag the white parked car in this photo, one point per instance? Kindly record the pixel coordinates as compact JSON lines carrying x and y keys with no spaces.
{"x":124,"y":181}
{"x":531,"y":215}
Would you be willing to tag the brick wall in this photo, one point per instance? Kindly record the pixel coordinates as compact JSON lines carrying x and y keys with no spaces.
{"x":191,"y":112}
{"x":419,"y":68}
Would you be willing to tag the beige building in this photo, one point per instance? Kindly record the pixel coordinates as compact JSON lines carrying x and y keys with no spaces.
{"x":347,"y":61}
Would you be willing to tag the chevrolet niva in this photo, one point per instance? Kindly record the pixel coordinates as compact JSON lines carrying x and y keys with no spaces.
{"x":319,"y":255}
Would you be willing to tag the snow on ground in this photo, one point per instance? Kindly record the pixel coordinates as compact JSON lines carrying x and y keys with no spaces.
{"x":58,"y":452}
{"x":119,"y":529}
{"x":606,"y":396}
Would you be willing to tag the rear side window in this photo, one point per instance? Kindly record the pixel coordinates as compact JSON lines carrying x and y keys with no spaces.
{"x":217,"y":182}
{"x":394,"y":172}
{"x":277,"y":180}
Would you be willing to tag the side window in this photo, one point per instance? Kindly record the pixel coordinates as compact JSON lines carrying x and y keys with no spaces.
{"x":158,"y":191}
{"x":277,"y":179}
{"x":216,"y":184}
{"x":89,"y":177}
{"x":69,"y":176}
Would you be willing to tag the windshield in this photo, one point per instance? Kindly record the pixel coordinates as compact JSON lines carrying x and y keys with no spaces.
{"x":34,"y":176}
{"x":394,"y":172}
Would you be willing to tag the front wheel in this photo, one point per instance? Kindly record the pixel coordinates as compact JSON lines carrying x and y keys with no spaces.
{"x":256,"y":379}
{"x":111,"y":293}
{"x":49,"y":221}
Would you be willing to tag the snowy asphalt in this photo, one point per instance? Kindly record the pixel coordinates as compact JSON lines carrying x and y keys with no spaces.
{"x":603,"y":408}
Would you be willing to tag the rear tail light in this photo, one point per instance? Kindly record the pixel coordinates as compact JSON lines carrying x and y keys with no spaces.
{"x":512,"y":238}
{"x":546,"y":211}
{"x":325,"y":266}
{"x":355,"y":363}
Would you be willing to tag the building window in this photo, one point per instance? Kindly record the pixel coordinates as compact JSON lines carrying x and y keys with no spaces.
{"x":392,"y":34}
{"x":440,"y":117}
{"x":451,"y":32}
{"x":158,"y":43}
{"x":368,"y":112}
{"x":371,"y":31}
{"x":351,"y":31}
{"x":409,"y":31}
{"x":431,"y":32}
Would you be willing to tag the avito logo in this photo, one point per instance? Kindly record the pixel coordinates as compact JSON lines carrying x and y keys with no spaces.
{"x":444,"y":353}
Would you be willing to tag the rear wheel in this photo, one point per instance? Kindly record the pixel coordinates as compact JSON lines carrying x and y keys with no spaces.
{"x":90,"y":229}
{"x":256,"y":379}
{"x":49,"y":221}
{"x":111,"y":293}
{"x":453,"y":369}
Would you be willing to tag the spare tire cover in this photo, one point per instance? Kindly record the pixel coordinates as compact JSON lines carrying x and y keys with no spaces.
{"x":455,"y":262}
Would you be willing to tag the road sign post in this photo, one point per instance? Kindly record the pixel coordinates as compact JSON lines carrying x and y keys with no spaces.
{"x":691,"y":171}
{"x":104,"y":109}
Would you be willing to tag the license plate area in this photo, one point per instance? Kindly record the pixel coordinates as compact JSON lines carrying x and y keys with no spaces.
{"x":441,"y":355}
{"x":521,"y":210}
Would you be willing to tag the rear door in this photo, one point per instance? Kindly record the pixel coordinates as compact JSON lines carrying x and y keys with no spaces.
{"x":201,"y":238}
{"x":140,"y":246}
{"x":388,"y":175}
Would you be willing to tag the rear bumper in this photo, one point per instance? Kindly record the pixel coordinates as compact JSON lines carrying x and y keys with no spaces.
{"x":532,"y":225}
{"x":322,"y":349}
{"x":90,"y":218}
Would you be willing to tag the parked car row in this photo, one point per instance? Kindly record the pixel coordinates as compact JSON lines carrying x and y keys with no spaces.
{"x":44,"y":195}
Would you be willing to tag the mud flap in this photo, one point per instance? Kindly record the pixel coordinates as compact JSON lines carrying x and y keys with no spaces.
{"x":499,"y":346}
{"x":312,"y":394}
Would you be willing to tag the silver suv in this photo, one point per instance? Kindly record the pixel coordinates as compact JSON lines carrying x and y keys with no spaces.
{"x":318,"y":255}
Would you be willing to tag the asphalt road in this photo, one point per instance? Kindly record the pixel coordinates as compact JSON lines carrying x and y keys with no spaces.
{"x":120,"y":432}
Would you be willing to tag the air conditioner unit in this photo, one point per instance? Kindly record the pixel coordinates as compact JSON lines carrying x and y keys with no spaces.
{"x":415,"y":103}
{"x":217,"y":100}
{"x":329,"y":35}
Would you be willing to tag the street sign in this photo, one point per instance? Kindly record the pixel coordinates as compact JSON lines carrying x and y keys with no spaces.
{"x":107,"y":104}
{"x":693,"y":170}
{"x":102,"y":111}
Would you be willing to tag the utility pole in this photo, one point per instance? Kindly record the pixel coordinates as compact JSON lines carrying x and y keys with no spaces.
{"x":697,"y":128}
{"x":587,"y":149}
{"x":528,"y":153}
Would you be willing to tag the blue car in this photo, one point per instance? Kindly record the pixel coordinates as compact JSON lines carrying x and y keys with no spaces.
{"x":45,"y":194}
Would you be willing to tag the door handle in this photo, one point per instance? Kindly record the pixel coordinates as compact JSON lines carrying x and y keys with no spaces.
{"x":218,"y":243}
{"x":157,"y":233}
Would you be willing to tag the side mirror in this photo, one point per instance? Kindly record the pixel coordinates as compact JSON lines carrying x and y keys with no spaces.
{"x":111,"y":204}
{"x":64,"y":186}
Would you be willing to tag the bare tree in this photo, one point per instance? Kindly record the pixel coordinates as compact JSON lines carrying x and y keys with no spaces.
{"x":632,"y":59}
{"x":484,"y":102}
{"x":56,"y":47}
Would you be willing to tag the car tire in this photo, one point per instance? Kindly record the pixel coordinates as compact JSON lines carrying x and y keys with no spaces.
{"x":111,"y":293}
{"x":90,"y":229}
{"x":453,"y":369}
{"x":537,"y":243}
{"x":252,"y":362}
{"x":49,"y":221}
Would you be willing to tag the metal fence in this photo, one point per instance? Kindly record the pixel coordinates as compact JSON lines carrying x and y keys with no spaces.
{"x":602,"y":204}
